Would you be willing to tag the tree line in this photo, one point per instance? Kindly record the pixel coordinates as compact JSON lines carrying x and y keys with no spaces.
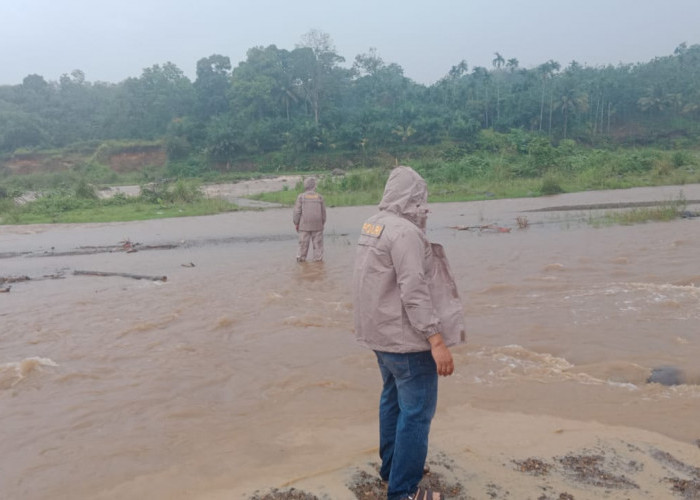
{"x":305,"y":100}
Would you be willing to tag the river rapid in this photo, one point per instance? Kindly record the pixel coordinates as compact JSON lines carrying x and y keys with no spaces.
{"x":243,"y":360}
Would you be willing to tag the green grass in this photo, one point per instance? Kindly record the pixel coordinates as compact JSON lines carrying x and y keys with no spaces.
{"x":70,"y":196}
{"x":662,"y":213}
{"x":365,"y":187}
{"x":358,"y":187}
{"x":666,"y":211}
{"x":179,"y":199}
{"x":136,"y":210}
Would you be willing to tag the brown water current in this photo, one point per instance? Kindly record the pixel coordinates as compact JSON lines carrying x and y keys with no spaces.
{"x":114,"y":387}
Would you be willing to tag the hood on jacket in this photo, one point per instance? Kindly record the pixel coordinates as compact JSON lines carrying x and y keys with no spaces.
{"x":406,"y":195}
{"x":310,"y":184}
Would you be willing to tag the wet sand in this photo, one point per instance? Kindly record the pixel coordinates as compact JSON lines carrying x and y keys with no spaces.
{"x":476,"y":454}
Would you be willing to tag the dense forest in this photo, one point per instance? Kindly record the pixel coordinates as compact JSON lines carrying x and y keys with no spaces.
{"x":285,"y":105}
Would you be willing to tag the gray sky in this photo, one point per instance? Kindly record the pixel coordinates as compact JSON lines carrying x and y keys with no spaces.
{"x":111,"y":41}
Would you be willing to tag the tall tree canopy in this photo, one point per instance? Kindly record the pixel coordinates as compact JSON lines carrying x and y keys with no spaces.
{"x":307,"y":99}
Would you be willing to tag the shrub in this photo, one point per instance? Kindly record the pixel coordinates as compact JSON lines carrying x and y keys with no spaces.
{"x":541,"y":157}
{"x":190,"y":168}
{"x":635,"y":162}
{"x":550,"y":186}
{"x":177,"y":147}
{"x":84,"y":190}
{"x":682,"y":158}
{"x":368,"y":180}
{"x":490,"y":140}
{"x":54,"y":203}
{"x":118,"y":200}
{"x":166,"y":191}
{"x":185,"y":192}
{"x":94,"y":172}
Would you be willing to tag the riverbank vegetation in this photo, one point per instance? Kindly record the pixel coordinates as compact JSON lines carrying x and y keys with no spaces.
{"x":509,"y":173}
{"x":81,"y":202}
{"x":665,"y":211}
{"x":503,"y":172}
{"x":503,"y":131}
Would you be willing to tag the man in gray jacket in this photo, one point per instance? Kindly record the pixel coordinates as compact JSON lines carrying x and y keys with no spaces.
{"x":309,"y":217}
{"x":408,"y":312}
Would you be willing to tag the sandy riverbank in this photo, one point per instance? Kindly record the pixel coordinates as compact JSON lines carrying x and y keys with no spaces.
{"x":477,"y":454}
{"x":234,"y":192}
{"x":227,"y":190}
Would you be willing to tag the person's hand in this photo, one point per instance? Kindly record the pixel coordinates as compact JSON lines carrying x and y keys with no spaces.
{"x":441,"y":355}
{"x":297,"y":227}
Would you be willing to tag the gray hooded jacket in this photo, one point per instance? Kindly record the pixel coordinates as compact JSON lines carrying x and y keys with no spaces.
{"x":309,"y":210}
{"x":403,"y":290}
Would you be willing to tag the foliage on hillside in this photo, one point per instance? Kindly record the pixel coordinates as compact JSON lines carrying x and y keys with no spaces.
{"x":477,"y":132}
{"x":302,"y":109}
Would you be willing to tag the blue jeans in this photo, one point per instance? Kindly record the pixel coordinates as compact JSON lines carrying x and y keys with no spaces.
{"x":406,"y":408}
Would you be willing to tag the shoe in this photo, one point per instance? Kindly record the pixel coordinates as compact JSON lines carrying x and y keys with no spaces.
{"x":425,"y":494}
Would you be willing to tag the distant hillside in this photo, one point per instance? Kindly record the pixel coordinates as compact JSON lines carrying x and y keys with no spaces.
{"x":121,"y":158}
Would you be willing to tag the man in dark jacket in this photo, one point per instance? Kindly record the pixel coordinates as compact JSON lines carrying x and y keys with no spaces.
{"x":408,"y":312}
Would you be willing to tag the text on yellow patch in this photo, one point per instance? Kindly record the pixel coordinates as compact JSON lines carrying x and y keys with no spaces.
{"x":373,"y":230}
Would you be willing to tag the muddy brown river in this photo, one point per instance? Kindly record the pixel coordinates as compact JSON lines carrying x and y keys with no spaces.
{"x":114,"y":387}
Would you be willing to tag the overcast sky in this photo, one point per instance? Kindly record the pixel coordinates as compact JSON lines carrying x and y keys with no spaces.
{"x":111,"y":41}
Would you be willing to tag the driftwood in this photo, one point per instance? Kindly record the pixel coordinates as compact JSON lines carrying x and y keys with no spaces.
{"x":124,"y":275}
{"x":487,"y":227}
{"x":13,"y":279}
{"x":17,"y":279}
{"x":125,"y":246}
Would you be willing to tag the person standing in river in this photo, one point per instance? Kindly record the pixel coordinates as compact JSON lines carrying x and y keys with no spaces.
{"x":407,"y":310}
{"x":309,"y":218}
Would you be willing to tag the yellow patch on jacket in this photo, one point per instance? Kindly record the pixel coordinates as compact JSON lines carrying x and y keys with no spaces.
{"x":373,"y":230}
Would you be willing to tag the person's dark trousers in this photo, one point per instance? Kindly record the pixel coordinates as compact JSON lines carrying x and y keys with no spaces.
{"x":406,"y":408}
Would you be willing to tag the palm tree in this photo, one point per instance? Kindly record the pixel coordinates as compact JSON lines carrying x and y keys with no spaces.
{"x":655,"y":100}
{"x":546,"y":71}
{"x":459,"y":70}
{"x":452,"y":79}
{"x":571,"y":102}
{"x":481,"y":77}
{"x":498,"y":62}
{"x":403,"y":131}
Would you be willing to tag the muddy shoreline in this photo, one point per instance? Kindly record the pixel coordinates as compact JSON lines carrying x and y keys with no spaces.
{"x":605,"y":466}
